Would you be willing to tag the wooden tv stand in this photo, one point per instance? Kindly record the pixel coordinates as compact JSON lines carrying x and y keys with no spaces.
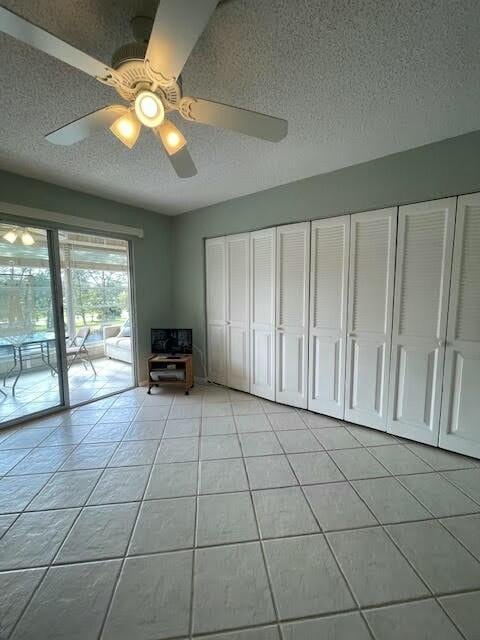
{"x":161,"y":363}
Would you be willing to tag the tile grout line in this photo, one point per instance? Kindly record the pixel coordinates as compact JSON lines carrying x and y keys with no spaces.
{"x":459,"y":486}
{"x":50,"y":564}
{"x":447,"y":613}
{"x":397,"y":546}
{"x":125,"y":555}
{"x":327,"y":542}
{"x":424,"y":580}
{"x":262,"y":548}
{"x":439,"y":520}
{"x":436,"y":599}
{"x":195,"y":538}
{"x":387,"y":533}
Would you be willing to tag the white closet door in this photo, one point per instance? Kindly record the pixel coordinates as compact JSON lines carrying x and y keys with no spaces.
{"x":460,"y":421}
{"x":293,"y":257}
{"x":328,"y":315}
{"x":262,"y":313}
{"x":369,"y":324}
{"x":238,"y":281}
{"x":422,"y":282}
{"x":216,"y":309}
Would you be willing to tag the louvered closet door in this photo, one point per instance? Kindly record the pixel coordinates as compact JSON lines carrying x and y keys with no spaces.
{"x":460,"y":419}
{"x":262,"y":313}
{"x":237,"y":247}
{"x":330,"y":240}
{"x":293,"y":257}
{"x":422,"y":282}
{"x":369,"y":324}
{"x":216,"y":309}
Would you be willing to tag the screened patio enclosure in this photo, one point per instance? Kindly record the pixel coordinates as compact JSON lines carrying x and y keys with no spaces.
{"x":94,"y":275}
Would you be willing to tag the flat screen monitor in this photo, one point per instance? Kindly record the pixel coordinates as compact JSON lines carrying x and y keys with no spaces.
{"x":172,"y":341}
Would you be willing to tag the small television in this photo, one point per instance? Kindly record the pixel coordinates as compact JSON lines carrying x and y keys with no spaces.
{"x":171,"y":341}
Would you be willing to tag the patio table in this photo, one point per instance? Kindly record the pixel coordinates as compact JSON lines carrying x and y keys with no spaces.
{"x":35,"y":344}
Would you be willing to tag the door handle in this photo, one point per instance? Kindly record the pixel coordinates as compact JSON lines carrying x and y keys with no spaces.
{"x":442,"y":343}
{"x":352,"y":335}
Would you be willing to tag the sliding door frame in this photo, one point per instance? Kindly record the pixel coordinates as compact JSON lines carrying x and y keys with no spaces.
{"x":53,"y":244}
{"x":58,"y":321}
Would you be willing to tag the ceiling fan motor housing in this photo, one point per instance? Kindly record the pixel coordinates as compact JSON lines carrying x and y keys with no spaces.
{"x":131,"y":52}
{"x":129,"y":62}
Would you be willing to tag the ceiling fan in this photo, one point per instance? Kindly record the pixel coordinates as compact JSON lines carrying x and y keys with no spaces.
{"x":146,"y":74}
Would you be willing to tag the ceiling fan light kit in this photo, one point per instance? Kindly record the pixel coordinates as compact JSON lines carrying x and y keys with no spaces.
{"x":127,"y":129}
{"x":172,"y":138}
{"x":146,"y":74}
{"x":149,"y":109}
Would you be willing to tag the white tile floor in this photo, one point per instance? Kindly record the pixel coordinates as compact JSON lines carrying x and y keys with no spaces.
{"x":38,"y":390}
{"x":223,"y":516}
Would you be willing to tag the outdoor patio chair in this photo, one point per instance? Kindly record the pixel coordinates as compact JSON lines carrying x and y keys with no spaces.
{"x":77,"y":351}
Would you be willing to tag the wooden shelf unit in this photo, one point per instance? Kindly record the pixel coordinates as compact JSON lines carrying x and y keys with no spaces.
{"x":184,"y":363}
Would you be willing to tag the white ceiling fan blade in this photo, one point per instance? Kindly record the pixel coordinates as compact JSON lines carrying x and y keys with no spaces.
{"x":85,"y":126}
{"x":181,"y":160}
{"x":178,"y":25}
{"x":183,"y":164}
{"x":34,"y":36}
{"x":225,"y":116}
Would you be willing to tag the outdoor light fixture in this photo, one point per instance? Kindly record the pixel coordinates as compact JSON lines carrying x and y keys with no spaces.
{"x":13,"y":234}
{"x":10,"y":236}
{"x":27,"y":238}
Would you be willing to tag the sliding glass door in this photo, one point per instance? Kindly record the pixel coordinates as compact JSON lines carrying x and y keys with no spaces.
{"x":65,"y":319}
{"x":97,"y":314}
{"x":29,"y":341}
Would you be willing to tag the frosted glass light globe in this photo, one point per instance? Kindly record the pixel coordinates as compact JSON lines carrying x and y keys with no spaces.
{"x":149,"y":109}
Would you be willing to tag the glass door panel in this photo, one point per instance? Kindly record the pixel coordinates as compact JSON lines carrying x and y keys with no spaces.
{"x":96,"y":300}
{"x":29,"y":380}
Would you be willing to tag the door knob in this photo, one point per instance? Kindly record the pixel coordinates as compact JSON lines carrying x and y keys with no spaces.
{"x":441,"y":343}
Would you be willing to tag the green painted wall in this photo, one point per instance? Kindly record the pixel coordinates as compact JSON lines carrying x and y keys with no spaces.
{"x":169,"y":260}
{"x":151,"y":254}
{"x":442,"y":169}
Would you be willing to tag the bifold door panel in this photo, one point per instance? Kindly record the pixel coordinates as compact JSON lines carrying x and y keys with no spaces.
{"x":293,"y":258}
{"x":460,"y":417}
{"x":215,"y":258}
{"x":369,"y":324}
{"x":330,"y":241}
{"x":422,"y":282}
{"x":237,"y":297}
{"x":262,"y":313}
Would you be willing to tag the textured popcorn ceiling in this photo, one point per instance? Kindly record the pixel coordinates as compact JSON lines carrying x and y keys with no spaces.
{"x":357,"y":79}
